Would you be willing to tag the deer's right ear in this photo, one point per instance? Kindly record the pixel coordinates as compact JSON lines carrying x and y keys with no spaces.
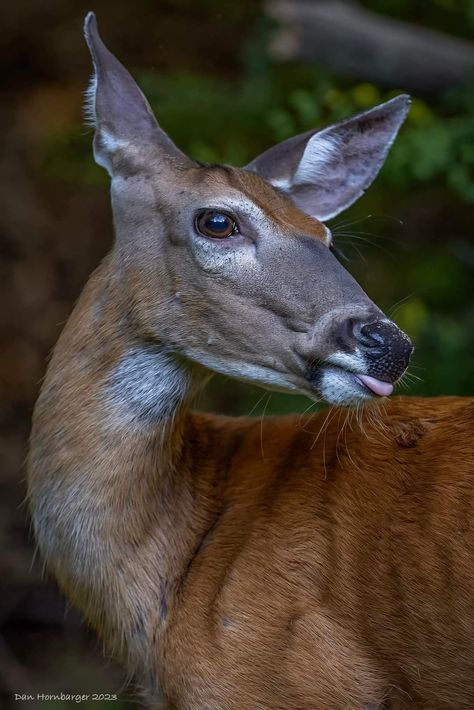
{"x":118,"y":110}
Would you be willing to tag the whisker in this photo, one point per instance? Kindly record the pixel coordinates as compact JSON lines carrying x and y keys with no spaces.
{"x":309,"y":419}
{"x":350,"y":236}
{"x":412,"y":378}
{"x":347,"y":222}
{"x":391,"y":311}
{"x":261,"y":424}
{"x":348,"y":425}
{"x":378,"y":415}
{"x":256,"y":404}
{"x":324,"y":449}
{"x":361,"y":256}
{"x":362,"y":236}
{"x":326,"y":422}
{"x":417,"y":366}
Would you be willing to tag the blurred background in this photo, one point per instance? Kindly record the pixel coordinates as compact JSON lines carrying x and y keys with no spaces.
{"x":227,"y":80}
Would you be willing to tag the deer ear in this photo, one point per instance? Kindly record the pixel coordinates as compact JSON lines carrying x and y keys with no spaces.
{"x":117,"y":109}
{"x":325,"y":171}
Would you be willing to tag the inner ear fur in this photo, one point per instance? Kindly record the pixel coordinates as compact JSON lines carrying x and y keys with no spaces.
{"x":325,"y":171}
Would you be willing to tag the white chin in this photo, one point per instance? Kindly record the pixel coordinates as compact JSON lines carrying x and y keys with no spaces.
{"x":338,"y":386}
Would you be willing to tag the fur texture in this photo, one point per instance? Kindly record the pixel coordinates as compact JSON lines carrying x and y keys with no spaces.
{"x":333,"y":572}
{"x":295,"y":563}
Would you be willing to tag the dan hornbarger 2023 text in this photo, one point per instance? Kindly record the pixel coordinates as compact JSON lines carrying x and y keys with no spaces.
{"x":68,"y":697}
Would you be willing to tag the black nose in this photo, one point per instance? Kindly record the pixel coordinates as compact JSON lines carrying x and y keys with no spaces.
{"x":386,"y":348}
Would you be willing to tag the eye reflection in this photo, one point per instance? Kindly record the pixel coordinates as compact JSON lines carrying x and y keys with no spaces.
{"x":217,"y":225}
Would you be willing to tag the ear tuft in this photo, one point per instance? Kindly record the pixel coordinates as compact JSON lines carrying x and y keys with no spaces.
{"x":88,"y":109}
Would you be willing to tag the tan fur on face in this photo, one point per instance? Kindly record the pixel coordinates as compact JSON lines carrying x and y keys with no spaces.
{"x":274,"y":203}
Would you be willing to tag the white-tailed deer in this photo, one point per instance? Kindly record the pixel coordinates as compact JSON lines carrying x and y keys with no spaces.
{"x":335,"y":572}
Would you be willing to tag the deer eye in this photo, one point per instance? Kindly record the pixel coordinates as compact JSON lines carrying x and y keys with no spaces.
{"x":216,"y":224}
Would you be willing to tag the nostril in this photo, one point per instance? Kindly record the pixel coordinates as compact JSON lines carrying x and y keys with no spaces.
{"x":386,"y":348}
{"x":369,"y":335}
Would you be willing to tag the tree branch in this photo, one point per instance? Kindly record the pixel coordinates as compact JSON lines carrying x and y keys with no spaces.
{"x":365,"y":46}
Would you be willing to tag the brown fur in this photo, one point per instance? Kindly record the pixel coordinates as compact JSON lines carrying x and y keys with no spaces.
{"x":278,"y":207}
{"x":294,"y":562}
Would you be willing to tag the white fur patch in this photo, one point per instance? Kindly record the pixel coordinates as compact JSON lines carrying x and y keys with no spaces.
{"x":105,"y":144}
{"x":340,"y":387}
{"x":327,"y":236}
{"x":354,"y":362}
{"x":89,"y":102}
{"x":218,"y":257}
{"x":232,"y":253}
{"x":319,"y":152}
{"x":147,"y":383}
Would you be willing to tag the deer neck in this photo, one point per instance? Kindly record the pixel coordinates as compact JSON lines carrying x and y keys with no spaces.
{"x":104,"y":367}
{"x":109,"y":487}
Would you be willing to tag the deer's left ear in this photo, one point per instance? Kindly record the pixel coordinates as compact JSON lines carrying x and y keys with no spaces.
{"x":123,"y":120}
{"x":325,"y":171}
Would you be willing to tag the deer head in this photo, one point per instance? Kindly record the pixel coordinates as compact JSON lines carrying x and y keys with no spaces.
{"x":231,"y":268}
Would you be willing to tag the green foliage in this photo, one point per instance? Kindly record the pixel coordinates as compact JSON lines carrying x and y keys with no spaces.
{"x":232,"y":121}
{"x":217,"y":121}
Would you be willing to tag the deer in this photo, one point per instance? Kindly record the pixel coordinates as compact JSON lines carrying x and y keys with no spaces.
{"x":331,"y":571}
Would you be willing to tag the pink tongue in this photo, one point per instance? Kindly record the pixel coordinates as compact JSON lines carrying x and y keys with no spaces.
{"x":383,"y":389}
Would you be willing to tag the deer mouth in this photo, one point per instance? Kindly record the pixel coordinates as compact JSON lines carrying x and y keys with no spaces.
{"x":338,"y":385}
{"x":378,"y":387}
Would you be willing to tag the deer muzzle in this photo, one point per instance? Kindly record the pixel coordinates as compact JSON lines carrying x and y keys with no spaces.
{"x":370,"y":357}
